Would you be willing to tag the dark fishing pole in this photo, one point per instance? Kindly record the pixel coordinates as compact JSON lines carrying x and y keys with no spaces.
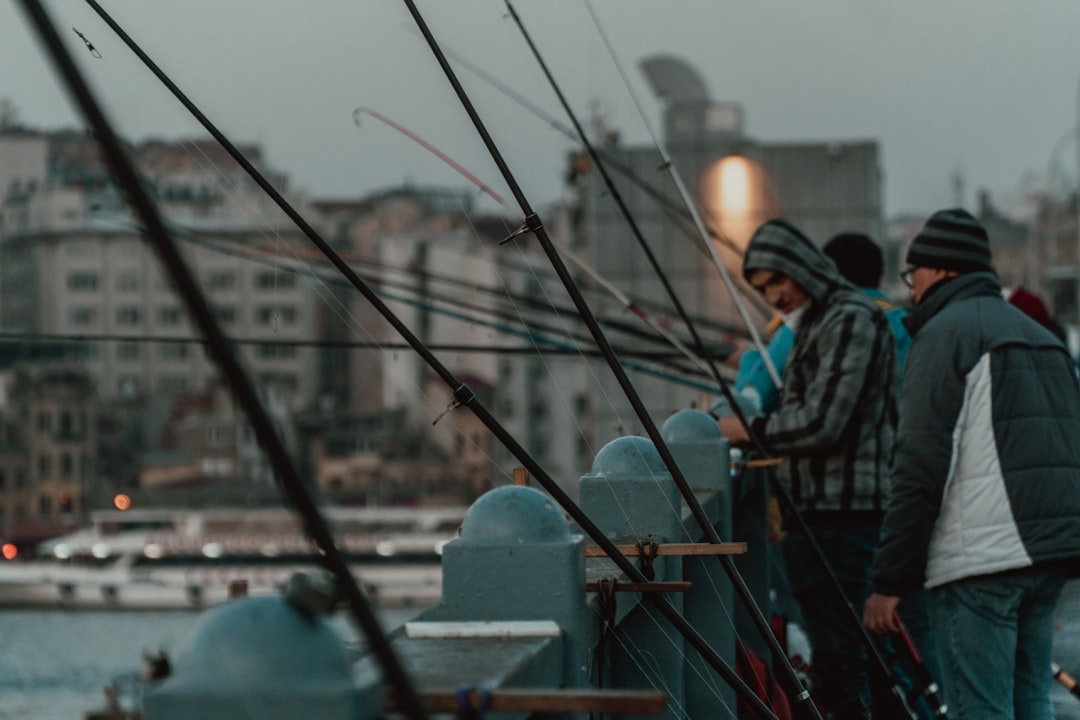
{"x":930,"y":689}
{"x":295,"y":491}
{"x":535,"y":226}
{"x":617,"y":197}
{"x":780,"y":658}
{"x":463,"y":396}
{"x":900,"y":705}
{"x":530,"y":330}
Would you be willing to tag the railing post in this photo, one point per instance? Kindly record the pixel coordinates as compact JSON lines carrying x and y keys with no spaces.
{"x":517,"y":560}
{"x":702,"y":454}
{"x":630,"y":495}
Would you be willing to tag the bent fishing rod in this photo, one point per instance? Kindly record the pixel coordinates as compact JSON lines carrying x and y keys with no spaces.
{"x":896,"y":691}
{"x":691,"y":207}
{"x":795,"y":686}
{"x":698,"y":360}
{"x":534,"y":226}
{"x":780,"y":657}
{"x":462,"y":394}
{"x":617,"y":196}
{"x":126,"y":176}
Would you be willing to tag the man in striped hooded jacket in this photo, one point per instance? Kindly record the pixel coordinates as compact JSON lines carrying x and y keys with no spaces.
{"x":834,"y":426}
{"x":985,"y":503}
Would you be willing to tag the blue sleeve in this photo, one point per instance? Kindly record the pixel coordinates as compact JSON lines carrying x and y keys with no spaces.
{"x":753,"y":376}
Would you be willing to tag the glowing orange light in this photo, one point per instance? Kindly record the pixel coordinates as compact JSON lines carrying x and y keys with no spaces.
{"x":9,"y":551}
{"x":121,"y":501}
{"x":736,"y":194}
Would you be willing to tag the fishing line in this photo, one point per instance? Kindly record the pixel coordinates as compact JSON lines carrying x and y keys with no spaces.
{"x":535,"y":227}
{"x":293,"y":488}
{"x":462,"y":394}
{"x":691,"y":206}
{"x":710,"y":367}
{"x":619,"y":295}
{"x":878,"y":661}
{"x":645,"y":661}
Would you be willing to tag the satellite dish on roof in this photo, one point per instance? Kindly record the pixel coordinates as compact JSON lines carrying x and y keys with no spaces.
{"x":672,"y":79}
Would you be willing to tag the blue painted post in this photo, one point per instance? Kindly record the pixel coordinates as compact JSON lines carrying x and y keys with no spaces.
{"x":261,"y":658}
{"x":517,"y":560}
{"x":702,"y":454}
{"x":631,"y":497}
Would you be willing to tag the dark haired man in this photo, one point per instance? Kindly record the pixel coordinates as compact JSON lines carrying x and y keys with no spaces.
{"x":835,"y":427}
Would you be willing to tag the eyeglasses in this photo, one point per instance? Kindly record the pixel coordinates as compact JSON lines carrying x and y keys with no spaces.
{"x":905,"y":276}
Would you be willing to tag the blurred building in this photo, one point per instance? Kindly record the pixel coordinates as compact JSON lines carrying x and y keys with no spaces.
{"x":737,"y":182}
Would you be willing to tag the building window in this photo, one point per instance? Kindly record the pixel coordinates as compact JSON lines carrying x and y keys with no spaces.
{"x":225,"y":315}
{"x":127,"y":281}
{"x":65,"y":425}
{"x":44,"y":422}
{"x":221,"y":280}
{"x":82,"y":281}
{"x":127,"y":315}
{"x":274,"y":281}
{"x":174,"y":351}
{"x":66,"y":466}
{"x":82,"y":316}
{"x":172,"y":384}
{"x":169,"y":315}
{"x":127,"y":351}
{"x":278,"y":352}
{"x":44,"y":466}
{"x":275,"y":315}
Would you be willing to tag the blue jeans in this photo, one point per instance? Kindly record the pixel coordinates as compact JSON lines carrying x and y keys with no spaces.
{"x":995,"y":642}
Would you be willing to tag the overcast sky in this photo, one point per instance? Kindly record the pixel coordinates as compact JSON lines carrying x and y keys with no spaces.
{"x":988,"y":90}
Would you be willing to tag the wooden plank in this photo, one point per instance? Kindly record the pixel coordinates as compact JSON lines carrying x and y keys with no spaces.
{"x":733,"y":548}
{"x":521,"y":476}
{"x":560,"y":700}
{"x":764,"y":462}
{"x":679,"y":586}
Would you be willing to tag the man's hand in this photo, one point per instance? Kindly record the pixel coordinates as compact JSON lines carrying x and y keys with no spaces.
{"x":879,"y":614}
{"x":733,"y":430}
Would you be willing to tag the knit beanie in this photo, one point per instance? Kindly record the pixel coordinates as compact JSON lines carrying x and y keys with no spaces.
{"x":951,"y":240}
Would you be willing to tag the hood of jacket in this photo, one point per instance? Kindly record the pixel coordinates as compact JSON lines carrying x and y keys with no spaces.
{"x":778,"y":245}
{"x":949,"y":291}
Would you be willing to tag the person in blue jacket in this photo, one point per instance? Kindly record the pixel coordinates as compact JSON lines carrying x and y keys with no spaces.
{"x":860,"y":262}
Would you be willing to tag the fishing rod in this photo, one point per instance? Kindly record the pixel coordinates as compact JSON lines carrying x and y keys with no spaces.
{"x":618,"y":294}
{"x":529,"y":331}
{"x":1066,"y":680}
{"x":22,"y":337}
{"x":707,"y":363}
{"x":795,"y":685}
{"x":896,"y":692}
{"x":266,"y":434}
{"x":462,"y":394}
{"x":691,"y":207}
{"x":534,"y":226}
{"x":504,"y":313}
{"x":930,"y":689}
{"x":665,"y":202}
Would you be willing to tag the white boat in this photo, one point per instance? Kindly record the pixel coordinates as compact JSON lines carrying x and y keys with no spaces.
{"x":190,"y":559}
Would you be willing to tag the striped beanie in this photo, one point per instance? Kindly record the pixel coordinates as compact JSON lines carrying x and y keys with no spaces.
{"x":951,"y":240}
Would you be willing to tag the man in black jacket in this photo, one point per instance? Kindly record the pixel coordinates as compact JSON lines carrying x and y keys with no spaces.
{"x":985,"y":501}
